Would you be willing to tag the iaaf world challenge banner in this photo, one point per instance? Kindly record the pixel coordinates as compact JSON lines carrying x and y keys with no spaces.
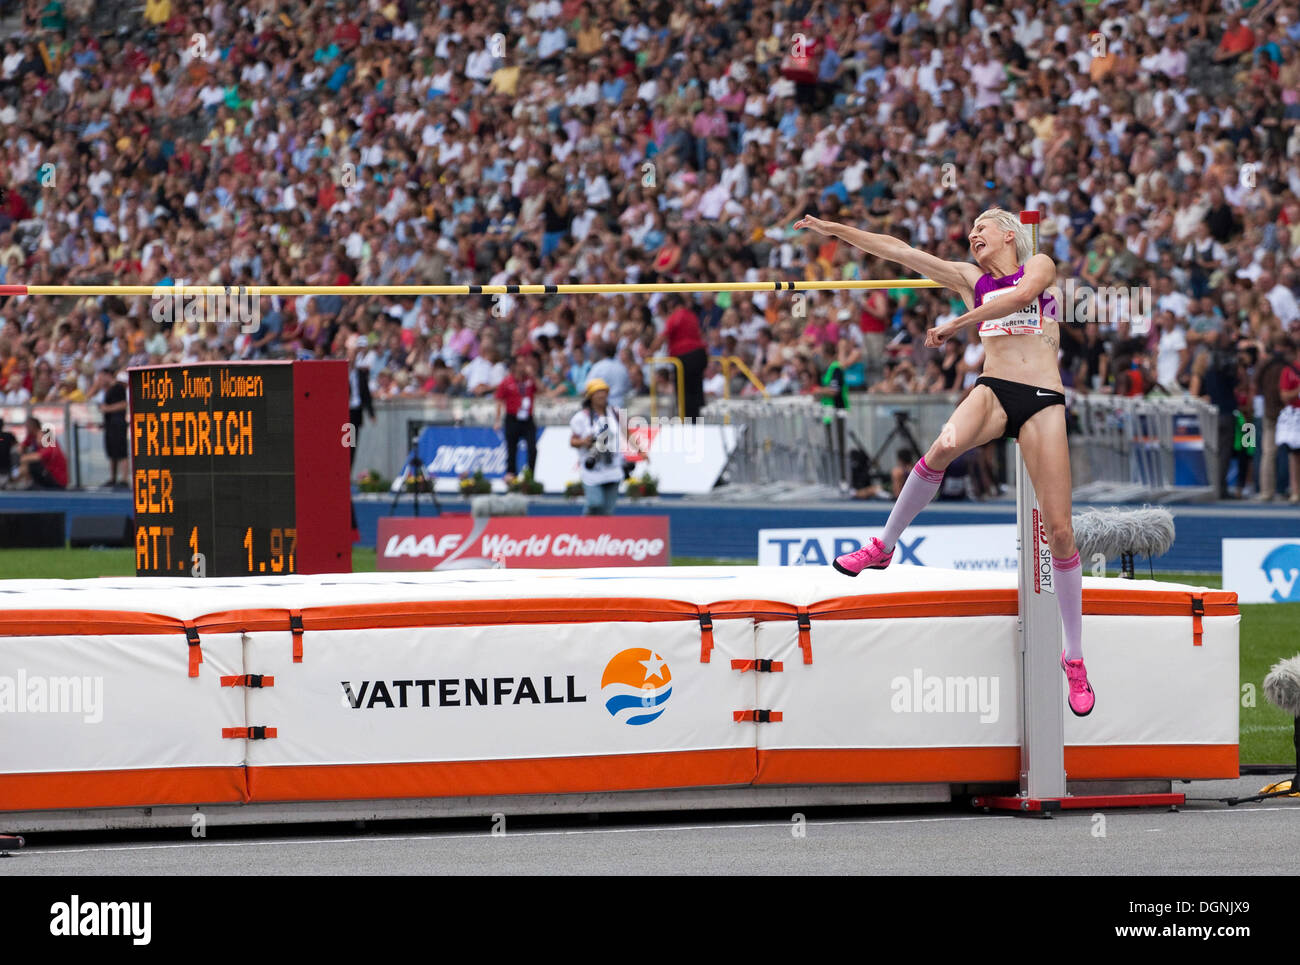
{"x":523,"y":542}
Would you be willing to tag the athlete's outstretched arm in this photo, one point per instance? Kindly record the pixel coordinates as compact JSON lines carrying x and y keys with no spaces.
{"x":958,"y":276}
{"x":1040,"y":274}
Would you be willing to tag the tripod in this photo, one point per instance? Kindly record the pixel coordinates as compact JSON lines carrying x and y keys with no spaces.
{"x":901,"y":429}
{"x":414,"y":472}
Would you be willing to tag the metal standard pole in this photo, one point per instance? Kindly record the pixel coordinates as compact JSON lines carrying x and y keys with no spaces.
{"x":72,"y":433}
{"x":1042,"y":719}
{"x":1042,"y":742}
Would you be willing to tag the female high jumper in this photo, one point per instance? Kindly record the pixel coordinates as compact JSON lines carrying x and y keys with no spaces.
{"x":1020,"y":397}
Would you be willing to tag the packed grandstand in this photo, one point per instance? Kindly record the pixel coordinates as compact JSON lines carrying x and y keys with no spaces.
{"x":498,"y":143}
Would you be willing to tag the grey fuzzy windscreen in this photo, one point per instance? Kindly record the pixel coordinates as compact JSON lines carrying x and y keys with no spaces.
{"x":1114,"y":531}
{"x":1282,"y":686}
{"x":508,"y":504}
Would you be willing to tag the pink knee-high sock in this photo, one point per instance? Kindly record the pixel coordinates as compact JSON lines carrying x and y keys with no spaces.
{"x":922,"y":483}
{"x":1068,"y":576}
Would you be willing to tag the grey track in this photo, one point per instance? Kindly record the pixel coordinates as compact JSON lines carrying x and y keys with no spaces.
{"x":1204,"y":838}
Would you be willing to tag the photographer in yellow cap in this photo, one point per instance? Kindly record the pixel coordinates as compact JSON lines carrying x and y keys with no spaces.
{"x":599,"y":439}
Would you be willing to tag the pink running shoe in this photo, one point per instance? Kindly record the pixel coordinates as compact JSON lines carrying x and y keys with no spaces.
{"x":1081,"y":696}
{"x":870,"y":557}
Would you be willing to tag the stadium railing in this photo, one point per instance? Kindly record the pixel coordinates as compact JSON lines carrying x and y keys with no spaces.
{"x":1156,"y":448}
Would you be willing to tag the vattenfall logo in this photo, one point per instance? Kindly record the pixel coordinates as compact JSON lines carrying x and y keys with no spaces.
{"x":636,"y":685}
{"x":460,"y":692}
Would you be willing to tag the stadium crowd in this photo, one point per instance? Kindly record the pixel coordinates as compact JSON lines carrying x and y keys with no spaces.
{"x":553,"y":142}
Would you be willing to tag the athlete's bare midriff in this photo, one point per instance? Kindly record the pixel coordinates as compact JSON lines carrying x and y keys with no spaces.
{"x":1029,"y":359}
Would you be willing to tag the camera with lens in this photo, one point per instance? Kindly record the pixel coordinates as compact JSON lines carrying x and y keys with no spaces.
{"x":602,"y":450}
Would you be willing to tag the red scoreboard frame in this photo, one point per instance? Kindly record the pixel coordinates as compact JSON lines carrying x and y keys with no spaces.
{"x":241,"y":468}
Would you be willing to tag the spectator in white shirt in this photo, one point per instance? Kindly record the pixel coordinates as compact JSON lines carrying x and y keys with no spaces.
{"x":714,"y":384}
{"x":484,"y":373}
{"x":480,"y":64}
{"x":1171,"y":300}
{"x":544,"y":10}
{"x":714,"y":199}
{"x":1171,"y":354}
{"x":1281,"y":298}
{"x":553,"y":41}
{"x":15,"y":393}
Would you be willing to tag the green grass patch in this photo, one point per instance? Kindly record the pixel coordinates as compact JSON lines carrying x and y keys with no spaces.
{"x":65,"y":564}
{"x":1211,"y":581}
{"x":1268,"y":634}
{"x":88,"y":564}
{"x":1268,"y":630}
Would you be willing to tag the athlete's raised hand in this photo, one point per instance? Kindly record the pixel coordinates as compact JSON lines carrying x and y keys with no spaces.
{"x":936,"y":336}
{"x":816,"y":224}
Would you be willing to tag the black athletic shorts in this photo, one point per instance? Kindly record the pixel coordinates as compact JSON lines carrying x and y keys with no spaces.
{"x":1020,"y":401}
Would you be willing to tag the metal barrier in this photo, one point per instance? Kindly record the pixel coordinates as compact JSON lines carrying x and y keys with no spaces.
{"x":779,"y":440}
{"x":727,"y":362}
{"x":782,"y":440}
{"x":1123,"y":449}
{"x":789,"y":440}
{"x":681,"y":385}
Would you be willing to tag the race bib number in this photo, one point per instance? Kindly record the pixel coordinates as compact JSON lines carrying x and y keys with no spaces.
{"x":1027,"y":321}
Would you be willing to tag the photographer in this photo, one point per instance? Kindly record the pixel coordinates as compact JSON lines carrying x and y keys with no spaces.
{"x":596,"y":436}
{"x":1214,"y":379}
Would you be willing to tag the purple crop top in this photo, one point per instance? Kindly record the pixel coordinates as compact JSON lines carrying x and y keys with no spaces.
{"x":1027,"y":321}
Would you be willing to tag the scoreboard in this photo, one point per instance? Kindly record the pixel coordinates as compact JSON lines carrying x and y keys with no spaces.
{"x":241,"y":468}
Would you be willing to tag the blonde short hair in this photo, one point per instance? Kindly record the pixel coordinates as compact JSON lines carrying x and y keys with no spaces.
{"x":1006,"y":221}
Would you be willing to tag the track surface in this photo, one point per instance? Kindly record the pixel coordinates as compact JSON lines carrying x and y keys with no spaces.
{"x":1204,"y":838}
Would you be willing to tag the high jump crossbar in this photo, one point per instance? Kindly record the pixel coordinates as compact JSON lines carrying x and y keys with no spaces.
{"x":252,"y":291}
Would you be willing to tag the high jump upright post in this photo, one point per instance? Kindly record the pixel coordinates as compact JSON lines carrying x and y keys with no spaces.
{"x":1042,"y":717}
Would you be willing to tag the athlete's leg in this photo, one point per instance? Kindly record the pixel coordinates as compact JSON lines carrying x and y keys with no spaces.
{"x":1047,"y":460}
{"x":977,"y":420}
